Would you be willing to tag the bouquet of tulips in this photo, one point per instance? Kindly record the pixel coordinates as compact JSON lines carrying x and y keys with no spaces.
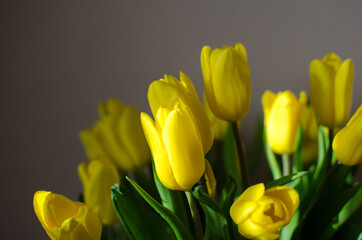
{"x":184,"y":173}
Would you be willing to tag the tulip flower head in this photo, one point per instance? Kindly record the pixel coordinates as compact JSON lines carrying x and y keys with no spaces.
{"x":348,"y":141}
{"x":166,"y":91}
{"x":176,"y":145}
{"x":227,"y":81}
{"x":117,"y":136}
{"x":97,"y":178}
{"x":65,"y":219}
{"x":281,"y":118}
{"x":331,"y":83}
{"x":260,"y":213}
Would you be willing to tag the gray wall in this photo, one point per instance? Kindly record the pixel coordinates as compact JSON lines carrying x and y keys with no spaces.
{"x":59,"y":58}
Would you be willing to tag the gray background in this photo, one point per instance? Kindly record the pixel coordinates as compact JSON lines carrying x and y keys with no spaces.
{"x":59,"y":58}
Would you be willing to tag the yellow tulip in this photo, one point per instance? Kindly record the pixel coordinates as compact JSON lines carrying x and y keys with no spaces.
{"x":227,"y":81}
{"x":281,"y":118}
{"x":331,"y":83}
{"x":348,"y":141}
{"x":97,"y":178}
{"x":260,"y":214}
{"x":117,"y":136}
{"x":310,"y":132}
{"x":64,"y":219}
{"x":176,"y":145}
{"x":210,"y":179}
{"x":166,"y":91}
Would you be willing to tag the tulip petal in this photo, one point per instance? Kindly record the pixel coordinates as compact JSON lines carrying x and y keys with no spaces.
{"x":347,"y":142}
{"x":343,"y":92}
{"x":287,"y":195}
{"x":38,"y":203}
{"x":241,"y":51}
{"x":241,"y":210}
{"x":184,"y":148}
{"x":267,"y":101}
{"x":322,"y":92}
{"x":160,"y":157}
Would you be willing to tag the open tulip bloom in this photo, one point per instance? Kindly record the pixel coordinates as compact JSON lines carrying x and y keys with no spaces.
{"x":183,"y":171}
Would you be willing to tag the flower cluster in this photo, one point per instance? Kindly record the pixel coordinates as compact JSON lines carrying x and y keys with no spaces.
{"x":195,"y":183}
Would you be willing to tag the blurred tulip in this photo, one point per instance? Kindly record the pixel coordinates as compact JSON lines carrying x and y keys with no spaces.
{"x":64,"y":219}
{"x":166,"y":91}
{"x":176,"y":145}
{"x":260,"y":214}
{"x":331,"y":83}
{"x":348,"y":141}
{"x":227,"y":81}
{"x":281,"y":118}
{"x":117,"y":136}
{"x":310,"y":132}
{"x":97,"y":178}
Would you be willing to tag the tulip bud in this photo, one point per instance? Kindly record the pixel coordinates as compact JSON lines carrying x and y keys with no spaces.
{"x":117,"y":136}
{"x":97,"y":178}
{"x":64,"y":219}
{"x":227,"y":81}
{"x":281,"y":118}
{"x":176,"y":145}
{"x":260,"y":214}
{"x":166,"y":91}
{"x":348,"y":141}
{"x":331,"y":83}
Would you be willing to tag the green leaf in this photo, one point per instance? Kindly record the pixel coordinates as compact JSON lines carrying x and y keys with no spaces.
{"x":255,"y":152}
{"x":272,"y":160}
{"x":147,"y":184}
{"x":297,"y":156}
{"x":323,"y":143}
{"x":173,"y":200}
{"x":348,"y":223}
{"x":232,"y":165}
{"x":176,"y":224}
{"x":286,"y":232}
{"x":286,"y":179}
{"x":215,"y":219}
{"x":139,"y":220}
{"x":226,"y":200}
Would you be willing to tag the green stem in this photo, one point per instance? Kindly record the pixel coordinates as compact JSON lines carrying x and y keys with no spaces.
{"x":195,"y":215}
{"x":239,"y":147}
{"x":329,"y":152}
{"x":286,"y":164}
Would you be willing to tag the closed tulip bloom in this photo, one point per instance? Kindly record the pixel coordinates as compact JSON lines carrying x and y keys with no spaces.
{"x":97,"y":178}
{"x":331,"y":83}
{"x":166,"y":91}
{"x":176,"y":146}
{"x":260,"y":214}
{"x":117,"y":136}
{"x":64,"y":219}
{"x":348,"y":141}
{"x":281,"y":118}
{"x":227,"y":81}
